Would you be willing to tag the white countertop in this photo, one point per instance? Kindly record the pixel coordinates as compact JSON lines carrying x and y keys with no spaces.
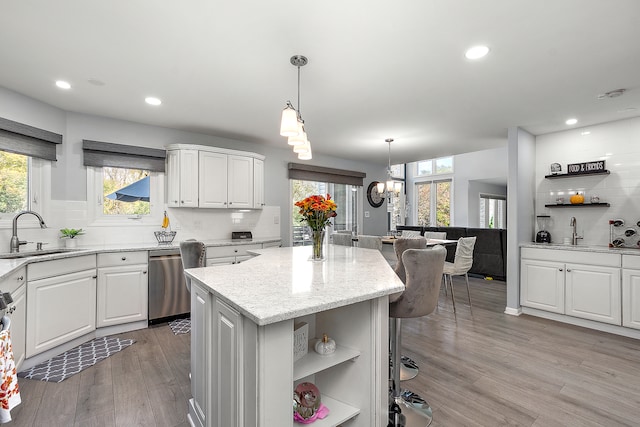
{"x":582,"y":248}
{"x":282,"y":283}
{"x":9,"y":265}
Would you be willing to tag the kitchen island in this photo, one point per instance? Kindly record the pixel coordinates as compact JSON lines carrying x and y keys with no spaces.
{"x":243,"y":317}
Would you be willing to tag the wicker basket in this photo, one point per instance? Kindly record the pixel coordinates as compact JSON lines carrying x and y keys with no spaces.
{"x":165,"y":237}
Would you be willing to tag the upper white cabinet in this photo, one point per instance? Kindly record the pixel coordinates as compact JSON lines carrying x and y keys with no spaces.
{"x":209,"y":177}
{"x":182,"y":184}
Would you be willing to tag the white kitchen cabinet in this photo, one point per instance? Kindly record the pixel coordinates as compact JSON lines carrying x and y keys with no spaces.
{"x":122,"y":291}
{"x":240,"y":182}
{"x":593,"y":292}
{"x":631,"y":291}
{"x":542,"y":285}
{"x":200,"y":355}
{"x":61,"y":306}
{"x":578,"y":284}
{"x":235,"y":254}
{"x":212,"y":181}
{"x":15,"y":284}
{"x":182,"y":178}
{"x":210,"y":177}
{"x":258,"y":183}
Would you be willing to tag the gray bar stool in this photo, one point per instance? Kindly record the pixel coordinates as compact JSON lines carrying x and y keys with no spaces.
{"x":408,"y":368}
{"x":423,"y":269}
{"x":193,"y":254}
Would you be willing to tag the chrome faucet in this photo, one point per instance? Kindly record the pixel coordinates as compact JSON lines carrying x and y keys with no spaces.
{"x":15,"y":241}
{"x":574,"y":234}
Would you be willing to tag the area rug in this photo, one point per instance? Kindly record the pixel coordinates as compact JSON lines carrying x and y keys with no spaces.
{"x":180,"y":326}
{"x":75,"y":360}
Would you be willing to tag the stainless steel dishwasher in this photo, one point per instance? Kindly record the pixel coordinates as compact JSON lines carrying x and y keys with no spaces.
{"x":168,"y":294}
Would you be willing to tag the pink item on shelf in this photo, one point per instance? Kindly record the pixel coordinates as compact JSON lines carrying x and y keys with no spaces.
{"x":321,"y":413}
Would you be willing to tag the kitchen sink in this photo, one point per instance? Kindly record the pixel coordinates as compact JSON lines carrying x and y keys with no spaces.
{"x":17,"y":255}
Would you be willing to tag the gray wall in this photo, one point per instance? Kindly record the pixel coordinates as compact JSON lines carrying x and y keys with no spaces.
{"x":69,"y":180}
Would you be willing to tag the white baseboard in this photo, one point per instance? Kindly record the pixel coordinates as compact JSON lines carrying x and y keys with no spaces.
{"x":513,"y":311}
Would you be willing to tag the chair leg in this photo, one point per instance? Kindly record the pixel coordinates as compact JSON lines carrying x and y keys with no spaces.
{"x":444,"y":277}
{"x":453,"y":297}
{"x":466,"y":277}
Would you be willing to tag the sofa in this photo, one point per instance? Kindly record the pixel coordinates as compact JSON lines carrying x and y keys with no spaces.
{"x":489,"y":253}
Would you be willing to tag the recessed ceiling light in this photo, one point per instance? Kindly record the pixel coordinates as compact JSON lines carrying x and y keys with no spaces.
{"x":152,"y":100}
{"x":476,"y":52}
{"x":62,"y":84}
{"x":571,"y":121}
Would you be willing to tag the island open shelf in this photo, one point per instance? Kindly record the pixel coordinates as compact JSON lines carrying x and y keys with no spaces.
{"x":313,"y":362}
{"x":339,"y":412}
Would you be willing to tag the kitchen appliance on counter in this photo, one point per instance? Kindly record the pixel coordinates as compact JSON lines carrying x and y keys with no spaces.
{"x":241,"y":235}
{"x":168,"y":293}
{"x":543,"y":236}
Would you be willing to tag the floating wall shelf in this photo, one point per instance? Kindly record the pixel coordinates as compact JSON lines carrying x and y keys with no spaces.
{"x":576,"y":175}
{"x":582,"y":205}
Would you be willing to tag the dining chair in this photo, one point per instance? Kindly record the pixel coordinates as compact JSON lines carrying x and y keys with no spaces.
{"x":342,"y":239}
{"x":440,"y":235}
{"x":460,"y":266}
{"x":411,"y":234}
{"x":370,"y":242}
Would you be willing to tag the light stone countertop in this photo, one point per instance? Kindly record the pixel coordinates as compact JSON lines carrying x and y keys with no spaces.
{"x":7,"y":266}
{"x":283,"y":283}
{"x":582,"y":248}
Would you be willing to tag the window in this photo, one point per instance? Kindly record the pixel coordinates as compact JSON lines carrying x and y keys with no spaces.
{"x":493,"y":211}
{"x":345,"y":196}
{"x":138,"y":208}
{"x":443,"y":165}
{"x":433,"y":202}
{"x":22,"y":187}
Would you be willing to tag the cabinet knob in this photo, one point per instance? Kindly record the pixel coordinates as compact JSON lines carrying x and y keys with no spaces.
{"x":182,"y":201}
{"x":175,"y":201}
{"x":124,"y":258}
{"x":568,"y":270}
{"x":144,"y":272}
{"x":559,"y":269}
{"x":95,"y":277}
{"x":20,"y":278}
{"x":230,"y":203}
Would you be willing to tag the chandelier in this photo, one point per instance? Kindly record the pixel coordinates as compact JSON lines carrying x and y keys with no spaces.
{"x":391,"y":188}
{"x":292,"y":124}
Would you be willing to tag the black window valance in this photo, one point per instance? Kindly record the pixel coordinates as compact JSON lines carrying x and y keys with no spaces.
{"x":101,"y":154}
{"x":28,"y":140}
{"x":321,"y":174}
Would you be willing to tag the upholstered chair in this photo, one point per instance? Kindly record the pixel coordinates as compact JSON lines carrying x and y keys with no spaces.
{"x":440,"y":235}
{"x":460,"y":266}
{"x":370,"y":242}
{"x":193,"y":254}
{"x":423,"y":269}
{"x":342,"y":239}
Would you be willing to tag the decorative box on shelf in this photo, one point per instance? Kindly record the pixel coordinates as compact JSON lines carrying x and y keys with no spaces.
{"x":300,"y":340}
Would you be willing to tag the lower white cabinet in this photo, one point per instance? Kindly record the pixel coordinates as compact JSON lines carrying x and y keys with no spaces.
{"x":217,"y":255}
{"x":542,"y":285}
{"x":61,"y":297}
{"x":122,"y":295}
{"x":201,"y":301}
{"x":631,"y":291}
{"x":15,"y":284}
{"x":553,"y":281}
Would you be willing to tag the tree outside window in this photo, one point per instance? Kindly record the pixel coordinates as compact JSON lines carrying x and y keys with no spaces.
{"x":116,"y":178}
{"x":433,"y":199}
{"x":14,"y":182}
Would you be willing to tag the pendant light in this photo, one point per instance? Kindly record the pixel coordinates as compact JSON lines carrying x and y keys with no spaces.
{"x":292,"y":124}
{"x":391,"y":188}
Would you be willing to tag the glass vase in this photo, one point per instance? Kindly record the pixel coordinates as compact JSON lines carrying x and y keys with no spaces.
{"x":317,"y":253}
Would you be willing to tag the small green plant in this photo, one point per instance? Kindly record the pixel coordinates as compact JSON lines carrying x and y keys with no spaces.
{"x":70,"y":232}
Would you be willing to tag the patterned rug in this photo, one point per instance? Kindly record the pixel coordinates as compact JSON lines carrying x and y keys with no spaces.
{"x":75,"y":360}
{"x":180,"y":326}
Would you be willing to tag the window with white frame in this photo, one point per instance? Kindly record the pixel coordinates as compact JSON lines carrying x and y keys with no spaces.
{"x":433,"y":203}
{"x":440,"y":166}
{"x":493,"y":211}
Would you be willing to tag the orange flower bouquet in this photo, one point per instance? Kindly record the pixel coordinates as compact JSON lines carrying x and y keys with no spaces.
{"x":317,"y":212}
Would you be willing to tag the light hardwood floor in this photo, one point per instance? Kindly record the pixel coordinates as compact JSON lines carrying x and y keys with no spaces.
{"x":485,"y":369}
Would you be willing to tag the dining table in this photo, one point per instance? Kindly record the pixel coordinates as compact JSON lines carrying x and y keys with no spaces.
{"x":389,"y":240}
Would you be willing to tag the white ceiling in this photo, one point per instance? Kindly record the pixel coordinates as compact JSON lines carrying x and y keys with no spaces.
{"x":377,"y":69}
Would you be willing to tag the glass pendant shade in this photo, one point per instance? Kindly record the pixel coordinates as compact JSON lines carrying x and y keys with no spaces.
{"x":397,"y":187}
{"x":389,"y":186}
{"x":289,"y":122}
{"x":300,"y":138}
{"x":306,"y":155}
{"x":380,"y":187}
{"x":302,"y":148}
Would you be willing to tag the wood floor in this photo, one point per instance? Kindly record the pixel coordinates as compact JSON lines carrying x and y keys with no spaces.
{"x":485,"y":369}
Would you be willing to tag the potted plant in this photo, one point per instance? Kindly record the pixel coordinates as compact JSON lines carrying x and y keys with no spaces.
{"x":70,"y":234}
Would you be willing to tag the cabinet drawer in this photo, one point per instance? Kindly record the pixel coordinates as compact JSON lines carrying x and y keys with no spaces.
{"x":631,"y":261}
{"x":14,"y":280}
{"x":579,"y":257}
{"x":40,"y":270}
{"x":114,"y":259}
{"x":230,"y":251}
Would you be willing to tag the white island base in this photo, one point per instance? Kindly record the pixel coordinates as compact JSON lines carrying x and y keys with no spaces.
{"x":242,"y":360}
